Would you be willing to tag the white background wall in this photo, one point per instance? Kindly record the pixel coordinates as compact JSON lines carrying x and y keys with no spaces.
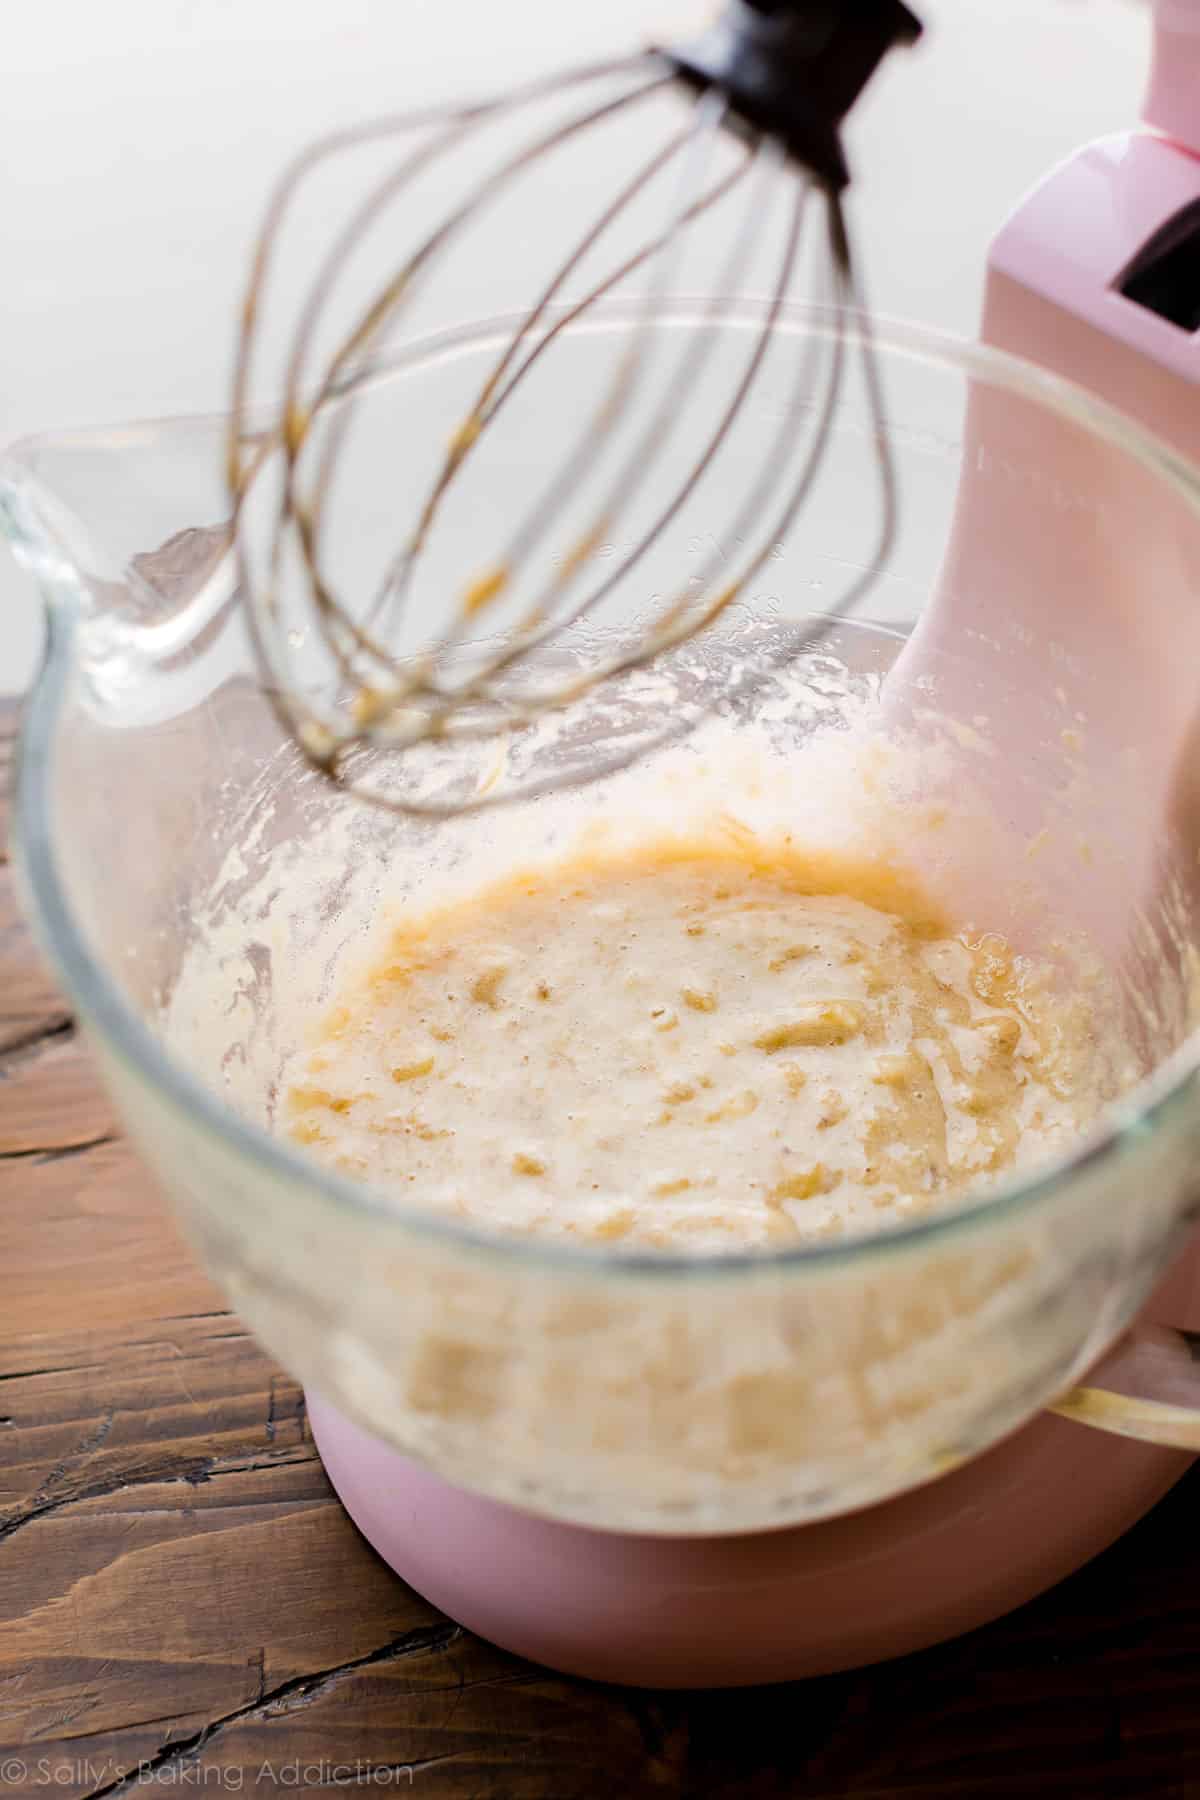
{"x":138,"y":137}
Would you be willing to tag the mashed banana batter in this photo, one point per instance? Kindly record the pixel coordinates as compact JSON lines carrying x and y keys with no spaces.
{"x":693,"y":1048}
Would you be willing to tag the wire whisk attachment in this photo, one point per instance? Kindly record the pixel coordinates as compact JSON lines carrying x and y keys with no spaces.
{"x":410,"y":585}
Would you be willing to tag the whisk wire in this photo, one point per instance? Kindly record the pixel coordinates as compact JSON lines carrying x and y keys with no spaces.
{"x":684,"y":618}
{"x":491,"y":395}
{"x":619,"y":393}
{"x":486,"y":409}
{"x":369,"y":332}
{"x":689,"y":370}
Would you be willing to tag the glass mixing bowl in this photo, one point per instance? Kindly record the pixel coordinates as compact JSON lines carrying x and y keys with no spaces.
{"x":163,"y":819}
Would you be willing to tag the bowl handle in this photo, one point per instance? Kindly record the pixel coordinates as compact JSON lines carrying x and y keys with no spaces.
{"x":1148,"y":1387}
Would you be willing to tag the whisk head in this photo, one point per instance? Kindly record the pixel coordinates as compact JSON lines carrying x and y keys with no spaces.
{"x":472,"y":623}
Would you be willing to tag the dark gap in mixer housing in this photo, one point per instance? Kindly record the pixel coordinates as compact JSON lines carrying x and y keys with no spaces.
{"x":1164,"y":276}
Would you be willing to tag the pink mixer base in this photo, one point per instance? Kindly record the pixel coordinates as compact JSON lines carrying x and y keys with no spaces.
{"x":771,"y":1606}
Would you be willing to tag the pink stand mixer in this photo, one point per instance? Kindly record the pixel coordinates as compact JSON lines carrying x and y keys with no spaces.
{"x":1069,"y":545}
{"x":1096,"y":277}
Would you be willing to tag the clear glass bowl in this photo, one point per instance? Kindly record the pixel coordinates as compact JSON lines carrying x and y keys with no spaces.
{"x":158,"y":806}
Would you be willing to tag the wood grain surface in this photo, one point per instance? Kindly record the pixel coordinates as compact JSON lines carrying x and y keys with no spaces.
{"x":184,"y":1606}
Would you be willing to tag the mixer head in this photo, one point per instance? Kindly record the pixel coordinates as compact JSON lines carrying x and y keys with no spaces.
{"x":398,"y":659}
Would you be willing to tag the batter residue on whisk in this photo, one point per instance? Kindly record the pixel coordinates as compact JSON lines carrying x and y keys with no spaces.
{"x":692,"y":1047}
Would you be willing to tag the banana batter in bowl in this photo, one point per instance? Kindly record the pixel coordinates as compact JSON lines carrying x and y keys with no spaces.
{"x":695,"y":1046}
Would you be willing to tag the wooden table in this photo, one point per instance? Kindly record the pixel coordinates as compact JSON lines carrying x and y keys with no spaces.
{"x":184,"y":1605}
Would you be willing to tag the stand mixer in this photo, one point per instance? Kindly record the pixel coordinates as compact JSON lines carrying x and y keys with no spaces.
{"x":908,"y":1537}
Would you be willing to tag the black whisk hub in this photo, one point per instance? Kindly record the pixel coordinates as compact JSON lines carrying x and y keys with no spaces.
{"x":794,"y":68}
